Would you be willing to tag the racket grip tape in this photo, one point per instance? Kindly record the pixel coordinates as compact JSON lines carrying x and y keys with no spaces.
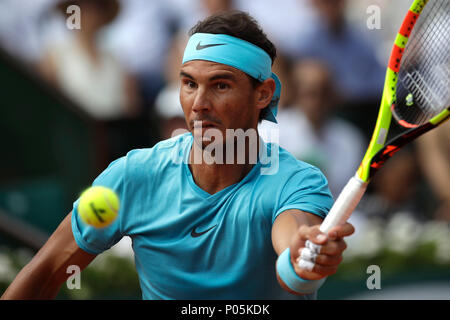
{"x":344,"y":205}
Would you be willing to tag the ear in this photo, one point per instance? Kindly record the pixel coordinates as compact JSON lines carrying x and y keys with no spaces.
{"x":264,"y":93}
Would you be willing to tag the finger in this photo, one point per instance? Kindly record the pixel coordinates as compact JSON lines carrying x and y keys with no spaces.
{"x":341,"y":231}
{"x":333,"y":247}
{"x":308,"y":270}
{"x":329,"y":261}
{"x":321,"y":259}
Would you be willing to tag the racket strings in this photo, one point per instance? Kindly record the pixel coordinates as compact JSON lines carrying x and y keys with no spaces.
{"x":424,"y":77}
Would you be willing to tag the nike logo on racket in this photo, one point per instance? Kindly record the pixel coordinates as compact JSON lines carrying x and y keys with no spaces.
{"x":200,"y":47}
{"x":195,"y":234}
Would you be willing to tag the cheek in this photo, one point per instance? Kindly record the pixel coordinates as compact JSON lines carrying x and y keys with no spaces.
{"x":185,"y":101}
{"x":245,"y":105}
{"x":241,"y":112}
{"x":231,"y":107}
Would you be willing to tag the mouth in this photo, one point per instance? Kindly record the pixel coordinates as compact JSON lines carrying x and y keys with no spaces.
{"x":199,"y":124}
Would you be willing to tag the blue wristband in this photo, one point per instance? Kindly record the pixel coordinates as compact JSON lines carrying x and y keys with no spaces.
{"x":287,"y":273}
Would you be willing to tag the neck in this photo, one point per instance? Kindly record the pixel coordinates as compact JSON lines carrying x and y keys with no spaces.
{"x":214,"y":176}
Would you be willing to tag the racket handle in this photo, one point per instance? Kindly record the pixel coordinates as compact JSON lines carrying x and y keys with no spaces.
{"x":346,"y":202}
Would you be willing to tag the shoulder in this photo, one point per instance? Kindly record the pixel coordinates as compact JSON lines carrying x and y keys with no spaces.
{"x":289,"y":166}
{"x":296,"y":185}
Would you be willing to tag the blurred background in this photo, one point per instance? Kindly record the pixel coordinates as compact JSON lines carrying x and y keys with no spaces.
{"x":74,"y":99}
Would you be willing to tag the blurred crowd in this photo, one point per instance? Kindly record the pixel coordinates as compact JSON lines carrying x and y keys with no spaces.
{"x":123,"y":64}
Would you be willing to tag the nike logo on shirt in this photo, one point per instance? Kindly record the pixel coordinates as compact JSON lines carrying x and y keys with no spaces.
{"x":195,"y":234}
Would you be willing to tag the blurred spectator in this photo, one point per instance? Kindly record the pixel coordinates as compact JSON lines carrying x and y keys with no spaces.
{"x":87,"y":73}
{"x":345,"y":49}
{"x":434,"y":159}
{"x":311,"y":132}
{"x":282,"y":68}
{"x":140,"y":37}
{"x":167,"y":103}
{"x":285,"y":22}
{"x":19,"y":32}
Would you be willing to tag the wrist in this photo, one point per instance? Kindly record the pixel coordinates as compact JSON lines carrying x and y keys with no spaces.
{"x":294,"y":282}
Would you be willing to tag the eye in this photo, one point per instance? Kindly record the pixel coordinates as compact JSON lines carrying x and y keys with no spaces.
{"x":190,"y":84}
{"x":222,"y":86}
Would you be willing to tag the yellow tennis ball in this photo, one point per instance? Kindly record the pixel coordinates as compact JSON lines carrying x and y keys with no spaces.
{"x":98,"y":206}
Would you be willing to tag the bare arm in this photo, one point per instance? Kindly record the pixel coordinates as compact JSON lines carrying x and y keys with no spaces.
{"x":287,"y":224}
{"x":43,"y":276}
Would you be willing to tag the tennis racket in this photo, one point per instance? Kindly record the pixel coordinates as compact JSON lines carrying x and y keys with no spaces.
{"x":416,"y":95}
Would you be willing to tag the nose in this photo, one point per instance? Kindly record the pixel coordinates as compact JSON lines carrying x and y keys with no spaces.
{"x":201,"y":101}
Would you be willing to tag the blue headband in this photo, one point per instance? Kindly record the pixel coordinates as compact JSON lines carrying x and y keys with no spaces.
{"x":237,"y":53}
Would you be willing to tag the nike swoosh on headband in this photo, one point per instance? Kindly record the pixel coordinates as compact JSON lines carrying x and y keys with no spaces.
{"x":195,"y":234}
{"x":201,"y":47}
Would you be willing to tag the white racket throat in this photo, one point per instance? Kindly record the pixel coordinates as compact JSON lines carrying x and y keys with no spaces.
{"x":346,"y":202}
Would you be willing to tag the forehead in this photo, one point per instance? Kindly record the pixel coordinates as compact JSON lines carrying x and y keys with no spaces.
{"x":198,"y":68}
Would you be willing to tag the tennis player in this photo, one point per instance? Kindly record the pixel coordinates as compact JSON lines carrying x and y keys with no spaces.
{"x":205,"y":229}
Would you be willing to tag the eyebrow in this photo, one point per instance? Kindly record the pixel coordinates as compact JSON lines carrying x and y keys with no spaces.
{"x":187,"y":75}
{"x":227,"y":76}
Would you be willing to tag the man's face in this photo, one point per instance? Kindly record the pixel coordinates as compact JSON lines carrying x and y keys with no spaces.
{"x":217,"y":96}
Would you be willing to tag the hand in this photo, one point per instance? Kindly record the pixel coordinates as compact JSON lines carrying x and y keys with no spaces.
{"x":317,"y":265}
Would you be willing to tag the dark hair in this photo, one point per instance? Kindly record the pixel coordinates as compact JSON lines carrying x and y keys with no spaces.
{"x":238,"y":24}
{"x":241,"y":25}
